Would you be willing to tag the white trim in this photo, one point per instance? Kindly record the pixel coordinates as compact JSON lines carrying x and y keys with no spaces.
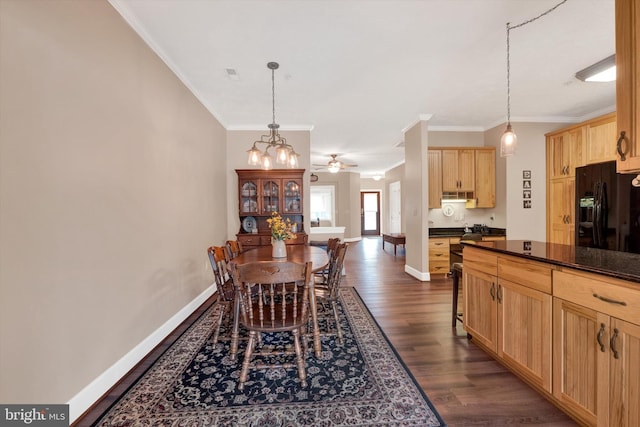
{"x":423,"y":277}
{"x":352,"y":239}
{"x":82,"y":401}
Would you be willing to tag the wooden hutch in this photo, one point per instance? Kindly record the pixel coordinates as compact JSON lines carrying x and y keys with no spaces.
{"x":260,"y":193}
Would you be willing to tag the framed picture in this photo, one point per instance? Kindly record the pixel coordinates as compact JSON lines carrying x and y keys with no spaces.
{"x":526,"y":174}
{"x":526,"y":194}
{"x":526,"y":183}
{"x":526,"y":204}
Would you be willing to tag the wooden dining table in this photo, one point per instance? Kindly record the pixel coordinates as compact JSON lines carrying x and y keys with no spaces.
{"x":296,"y":253}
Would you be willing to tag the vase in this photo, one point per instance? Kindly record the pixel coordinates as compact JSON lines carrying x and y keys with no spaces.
{"x":278,"y":249}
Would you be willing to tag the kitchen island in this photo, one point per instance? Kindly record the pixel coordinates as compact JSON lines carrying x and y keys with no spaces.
{"x":564,"y":319}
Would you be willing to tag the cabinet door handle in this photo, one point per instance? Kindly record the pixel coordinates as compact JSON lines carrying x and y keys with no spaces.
{"x":600,"y":335}
{"x":492,"y":291}
{"x":609,"y":300}
{"x":500,"y":294}
{"x":612,"y":344}
{"x":623,"y":157}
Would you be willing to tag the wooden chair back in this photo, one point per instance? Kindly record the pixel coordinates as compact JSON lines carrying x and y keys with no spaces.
{"x":335,"y":270}
{"x":234,"y":248}
{"x":218,"y":258}
{"x":274,"y":295}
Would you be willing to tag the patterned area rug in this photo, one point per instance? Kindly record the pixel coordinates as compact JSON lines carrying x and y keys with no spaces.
{"x":362,"y":382}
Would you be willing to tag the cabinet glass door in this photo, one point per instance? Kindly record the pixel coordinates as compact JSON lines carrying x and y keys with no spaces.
{"x":248,"y":197}
{"x":270,"y":196}
{"x":292,"y":199}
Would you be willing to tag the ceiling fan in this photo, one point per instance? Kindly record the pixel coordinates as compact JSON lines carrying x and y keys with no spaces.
{"x":334,"y":165}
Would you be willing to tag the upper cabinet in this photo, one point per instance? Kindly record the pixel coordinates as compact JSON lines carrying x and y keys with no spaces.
{"x":600,"y":136}
{"x":458,"y":170}
{"x":435,"y":178}
{"x":486,"y":177}
{"x":462,"y":173}
{"x":564,"y":152}
{"x":628,"y":85}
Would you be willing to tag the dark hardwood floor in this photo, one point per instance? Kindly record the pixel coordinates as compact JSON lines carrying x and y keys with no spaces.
{"x":467,"y":387}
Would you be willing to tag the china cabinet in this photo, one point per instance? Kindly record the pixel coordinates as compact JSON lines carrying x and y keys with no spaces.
{"x":260,"y":194}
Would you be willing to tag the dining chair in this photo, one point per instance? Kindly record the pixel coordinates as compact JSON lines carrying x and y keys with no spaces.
{"x":332,"y":243}
{"x":234,"y":248}
{"x":224,"y":288}
{"x":273,"y":297}
{"x":328,"y":291}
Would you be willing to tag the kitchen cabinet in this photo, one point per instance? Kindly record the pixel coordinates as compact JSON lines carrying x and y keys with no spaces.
{"x":439,"y":260}
{"x":628,"y":85}
{"x":600,"y":143}
{"x":434,"y":158}
{"x":462,"y":173}
{"x":479,"y":278}
{"x":458,"y":170}
{"x":561,"y":211}
{"x":508,"y":311}
{"x":564,"y":152}
{"x":596,"y":366}
{"x":260,"y":193}
{"x":485,"y":178}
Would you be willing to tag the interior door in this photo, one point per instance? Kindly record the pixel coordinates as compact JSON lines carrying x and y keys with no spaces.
{"x":395,"y":207}
{"x":370,"y":213}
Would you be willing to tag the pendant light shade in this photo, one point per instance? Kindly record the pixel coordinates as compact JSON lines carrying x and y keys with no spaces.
{"x":508,"y":142}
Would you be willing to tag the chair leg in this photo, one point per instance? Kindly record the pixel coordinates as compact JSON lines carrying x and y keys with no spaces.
{"x":221,"y":313}
{"x":334,"y":306}
{"x":302,"y":372}
{"x":244,"y":373}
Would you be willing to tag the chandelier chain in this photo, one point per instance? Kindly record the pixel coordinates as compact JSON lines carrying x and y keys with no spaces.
{"x":273,"y":96}
{"x":509,"y":28}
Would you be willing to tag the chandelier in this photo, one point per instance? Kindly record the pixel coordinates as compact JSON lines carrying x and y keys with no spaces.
{"x":509,"y":140}
{"x":285,"y":154}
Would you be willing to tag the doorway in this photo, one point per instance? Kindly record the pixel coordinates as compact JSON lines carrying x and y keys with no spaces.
{"x":370,"y":213}
{"x":395,"y":207}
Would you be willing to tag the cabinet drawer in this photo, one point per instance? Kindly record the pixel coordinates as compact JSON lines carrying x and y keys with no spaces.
{"x":439,"y":267}
{"x":438,"y":244}
{"x":527,"y":273}
{"x":250,"y":239}
{"x":480,"y":260}
{"x":435,"y":253}
{"x":604,"y":296}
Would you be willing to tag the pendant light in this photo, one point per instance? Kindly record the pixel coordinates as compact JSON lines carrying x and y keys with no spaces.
{"x":509,"y":140}
{"x":284,"y":153}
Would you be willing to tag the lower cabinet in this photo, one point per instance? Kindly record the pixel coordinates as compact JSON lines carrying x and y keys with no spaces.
{"x":597,"y":355}
{"x":509,"y":313}
{"x":439,"y":261}
{"x":572,"y":335}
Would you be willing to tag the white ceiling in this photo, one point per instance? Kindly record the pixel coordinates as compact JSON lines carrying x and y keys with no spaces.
{"x":358,"y":72}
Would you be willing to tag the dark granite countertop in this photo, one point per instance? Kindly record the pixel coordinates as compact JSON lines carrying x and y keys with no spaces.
{"x":459,"y":231}
{"x":621,"y":265}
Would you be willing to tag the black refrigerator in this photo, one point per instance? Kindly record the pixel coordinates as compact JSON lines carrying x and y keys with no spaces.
{"x":607,"y":209}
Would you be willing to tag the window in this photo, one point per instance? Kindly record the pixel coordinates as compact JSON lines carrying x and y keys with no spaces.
{"x":322,"y":205}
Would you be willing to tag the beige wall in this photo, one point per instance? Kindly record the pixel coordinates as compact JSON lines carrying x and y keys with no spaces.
{"x":112,"y":185}
{"x":416,"y":198}
{"x":522,"y":224}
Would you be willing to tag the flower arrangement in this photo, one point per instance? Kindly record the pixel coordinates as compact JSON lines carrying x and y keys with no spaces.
{"x":280,"y":228}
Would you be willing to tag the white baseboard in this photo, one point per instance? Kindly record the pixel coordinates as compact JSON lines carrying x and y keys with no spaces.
{"x":82,"y":401}
{"x":352,"y":239}
{"x":423,"y":277}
